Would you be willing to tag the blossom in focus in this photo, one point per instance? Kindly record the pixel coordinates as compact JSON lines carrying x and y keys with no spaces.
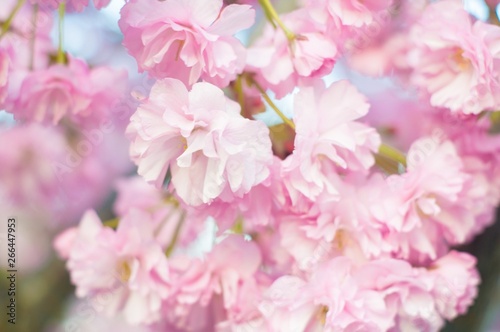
{"x":329,"y":139}
{"x":379,"y":295}
{"x":127,"y":266}
{"x":210,"y":149}
{"x":186,"y":40}
{"x":281,"y":64}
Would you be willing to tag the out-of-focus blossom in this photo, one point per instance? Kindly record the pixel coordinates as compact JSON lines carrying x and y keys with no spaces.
{"x":76,"y":5}
{"x":82,"y":95}
{"x":4,"y":75}
{"x":186,"y":40}
{"x":353,"y":12}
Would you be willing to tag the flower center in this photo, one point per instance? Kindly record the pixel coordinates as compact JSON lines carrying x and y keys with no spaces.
{"x":458,"y":58}
{"x":124,"y":271}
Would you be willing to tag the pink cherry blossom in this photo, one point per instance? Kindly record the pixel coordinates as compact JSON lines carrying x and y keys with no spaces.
{"x":4,"y":75}
{"x":127,"y":266}
{"x":455,"y":63}
{"x":328,"y":137}
{"x":210,"y":149}
{"x":281,"y":64}
{"x":354,"y":12}
{"x":76,"y":5}
{"x":76,"y":92}
{"x":26,"y":168}
{"x":225,"y":282}
{"x":187,"y":40}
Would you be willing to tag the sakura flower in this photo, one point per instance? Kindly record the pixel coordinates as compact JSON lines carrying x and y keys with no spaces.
{"x":281,"y":65}
{"x":210,"y":149}
{"x":377,"y":295}
{"x":26,"y":167}
{"x":354,"y":12}
{"x":127,"y":266}
{"x":187,"y":40}
{"x":27,"y":49}
{"x":455,"y":60}
{"x":74,"y":91}
{"x":135,"y":193}
{"x":331,"y":300}
{"x":225,"y":282}
{"x":4,"y":75}
{"x":328,"y":137}
{"x":455,"y":284}
{"x":76,"y":5}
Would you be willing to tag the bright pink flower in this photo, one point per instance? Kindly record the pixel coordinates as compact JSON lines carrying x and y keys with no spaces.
{"x":281,"y":65}
{"x":72,"y":91}
{"x":127,"y":266}
{"x":328,"y":137}
{"x":455,"y":60}
{"x":210,"y":149}
{"x":187,"y":40}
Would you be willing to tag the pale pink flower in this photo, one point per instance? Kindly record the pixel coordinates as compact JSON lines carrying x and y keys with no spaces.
{"x":135,"y":193}
{"x":26,"y":166}
{"x":160,"y":210}
{"x":455,"y":283}
{"x":378,"y":295}
{"x":281,"y":64}
{"x":4,"y":75}
{"x":72,"y":91}
{"x":330,"y":300}
{"x":329,"y":139}
{"x":210,"y":149}
{"x":455,"y":60}
{"x":126,"y":266}
{"x":354,"y":12}
{"x":187,"y":40}
{"x":76,"y":5}
{"x":26,"y":48}
{"x":432,"y":191}
{"x":221,"y":289}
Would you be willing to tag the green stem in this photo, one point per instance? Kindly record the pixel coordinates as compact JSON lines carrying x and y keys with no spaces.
{"x":238,"y":88}
{"x":270,"y":103}
{"x":33,"y":37}
{"x":113,"y":223}
{"x":493,"y":18}
{"x":61,"y":58}
{"x":392,"y":153}
{"x":8,"y":22}
{"x":173,"y":243}
{"x":273,"y":16}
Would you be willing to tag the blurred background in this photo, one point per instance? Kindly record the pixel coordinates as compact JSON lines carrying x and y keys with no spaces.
{"x":45,"y":297}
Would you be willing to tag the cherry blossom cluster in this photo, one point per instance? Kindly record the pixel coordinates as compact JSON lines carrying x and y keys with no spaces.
{"x":272,"y":193}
